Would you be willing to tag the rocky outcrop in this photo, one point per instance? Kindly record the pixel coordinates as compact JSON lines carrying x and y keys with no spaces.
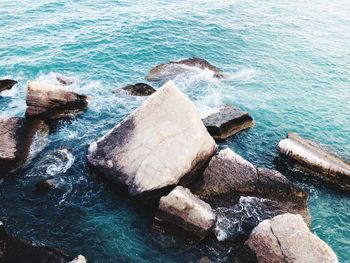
{"x":138,"y":89}
{"x":46,"y":101}
{"x":227,"y":122}
{"x":13,"y":249}
{"x":16,"y":137}
{"x":285,"y":238}
{"x":7,"y":84}
{"x":311,"y":158}
{"x":229,"y":176}
{"x":173,"y":68}
{"x":237,"y":222}
{"x":186,"y":210}
{"x":161,"y":144}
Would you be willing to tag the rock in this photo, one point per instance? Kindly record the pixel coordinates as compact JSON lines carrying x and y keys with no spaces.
{"x":13,"y":249}
{"x":16,"y":138}
{"x":311,"y":158}
{"x":227,"y":122}
{"x":237,"y":221}
{"x":286,"y":238}
{"x":138,"y":89}
{"x":186,"y":210}
{"x":79,"y":259}
{"x":46,"y":101}
{"x":171,"y":69}
{"x":47,"y":184}
{"x":64,"y":80}
{"x":7,"y":84}
{"x":161,"y":144}
{"x":229,"y":176}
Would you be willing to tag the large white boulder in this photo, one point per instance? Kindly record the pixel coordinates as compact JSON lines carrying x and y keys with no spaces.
{"x":161,"y":144}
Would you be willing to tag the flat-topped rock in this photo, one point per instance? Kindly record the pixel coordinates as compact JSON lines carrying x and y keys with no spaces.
{"x":13,"y":249}
{"x":138,"y":89}
{"x":46,"y":101}
{"x":227,"y":122}
{"x":173,"y":68}
{"x":16,"y":137}
{"x":161,"y":144}
{"x":6,"y":84}
{"x":229,"y":176}
{"x":186,"y":210}
{"x":286,"y":239}
{"x":311,"y":158}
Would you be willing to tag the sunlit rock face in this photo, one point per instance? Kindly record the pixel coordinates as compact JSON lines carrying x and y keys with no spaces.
{"x":16,"y":138}
{"x":161,"y":144}
{"x":311,"y":158}
{"x":172,"y":69}
{"x":182,"y":208}
{"x":285,"y":238}
{"x":47,"y":101}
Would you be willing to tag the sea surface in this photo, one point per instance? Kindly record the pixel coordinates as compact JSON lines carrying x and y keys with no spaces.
{"x":286,"y":62}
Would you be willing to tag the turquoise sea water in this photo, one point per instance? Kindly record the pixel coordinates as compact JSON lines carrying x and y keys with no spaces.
{"x":288,"y":64}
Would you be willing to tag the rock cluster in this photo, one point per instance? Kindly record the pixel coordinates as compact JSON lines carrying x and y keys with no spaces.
{"x":46,"y":101}
{"x":311,"y":158}
{"x":227,"y":122}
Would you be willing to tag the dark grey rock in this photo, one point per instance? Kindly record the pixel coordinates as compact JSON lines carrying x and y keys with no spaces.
{"x":173,"y":68}
{"x":13,"y":249}
{"x":138,"y":89}
{"x":7,"y":84}
{"x":227,"y":122}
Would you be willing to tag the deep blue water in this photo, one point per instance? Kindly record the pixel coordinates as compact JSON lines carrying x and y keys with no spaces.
{"x":288,"y":64}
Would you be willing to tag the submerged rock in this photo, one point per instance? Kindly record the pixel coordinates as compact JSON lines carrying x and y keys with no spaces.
{"x":229,"y":176}
{"x":311,"y":158}
{"x":240,"y":219}
{"x":138,"y":89}
{"x":46,"y":101}
{"x":186,"y":210}
{"x":173,"y":68}
{"x":13,"y":249}
{"x":227,"y":122}
{"x":161,"y":144}
{"x":7,"y":84}
{"x":285,"y":238}
{"x":16,"y":137}
{"x":48,"y":184}
{"x":64,"y":80}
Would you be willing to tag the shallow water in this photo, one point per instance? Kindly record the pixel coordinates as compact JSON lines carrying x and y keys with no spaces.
{"x":288,"y":64}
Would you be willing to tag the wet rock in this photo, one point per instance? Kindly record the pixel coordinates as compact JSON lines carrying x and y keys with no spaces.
{"x":229,"y":176}
{"x":227,"y":122}
{"x":17,"y":250}
{"x":311,"y":158}
{"x":161,"y":144}
{"x":7,"y":84}
{"x":286,"y":238}
{"x":173,"y":68}
{"x":47,"y":184}
{"x":138,"y":89}
{"x":237,"y":221}
{"x":46,"y":101}
{"x":16,"y":138}
{"x":186,"y":210}
{"x":64,"y":80}
{"x":79,"y":259}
